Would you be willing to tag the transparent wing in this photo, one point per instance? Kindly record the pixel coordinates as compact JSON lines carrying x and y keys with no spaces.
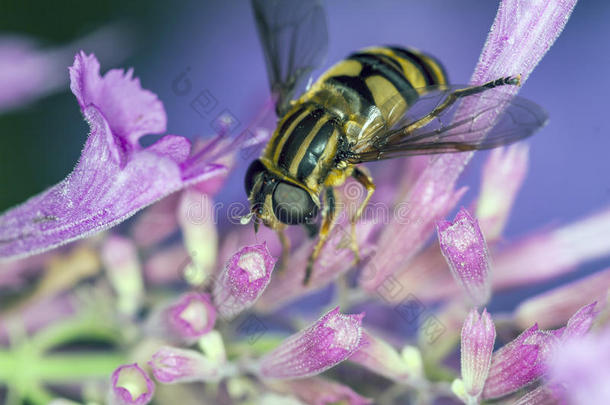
{"x":473,"y":122}
{"x":294,"y":36}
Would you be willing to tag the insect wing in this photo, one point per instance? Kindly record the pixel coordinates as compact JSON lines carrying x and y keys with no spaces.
{"x":294,"y":37}
{"x":480,"y":121}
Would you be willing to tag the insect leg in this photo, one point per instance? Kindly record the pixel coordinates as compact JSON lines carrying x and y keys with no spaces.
{"x":456,"y":95}
{"x":363,"y":177}
{"x":328,"y":219}
{"x":285,"y":248}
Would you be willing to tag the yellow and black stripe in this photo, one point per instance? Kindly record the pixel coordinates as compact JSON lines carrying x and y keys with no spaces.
{"x":331,"y":115}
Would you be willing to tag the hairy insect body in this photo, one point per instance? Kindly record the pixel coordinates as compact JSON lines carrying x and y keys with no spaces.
{"x":367,"y":92}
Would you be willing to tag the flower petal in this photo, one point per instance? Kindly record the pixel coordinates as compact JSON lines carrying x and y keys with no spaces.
{"x":109,"y":184}
{"x":329,"y":341}
{"x":465,"y":250}
{"x":548,"y":254}
{"x":190,"y":317}
{"x":556,"y":306}
{"x":130,"y":110}
{"x":243,"y":279}
{"x":130,"y":385}
{"x":380,"y":357}
{"x":321,"y":391}
{"x":516,"y":364}
{"x":478,"y":337}
{"x":582,"y":366}
{"x":173,"y":365}
{"x":503,"y":175}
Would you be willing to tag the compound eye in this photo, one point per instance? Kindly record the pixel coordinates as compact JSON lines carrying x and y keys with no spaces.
{"x":292,"y":205}
{"x":255,"y":168}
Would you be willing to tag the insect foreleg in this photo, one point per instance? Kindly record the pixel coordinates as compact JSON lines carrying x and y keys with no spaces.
{"x":285,"y":241}
{"x":328,"y":219}
{"x":363,"y":177}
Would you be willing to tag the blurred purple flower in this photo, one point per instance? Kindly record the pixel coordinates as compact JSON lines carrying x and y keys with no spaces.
{"x":120,"y":258}
{"x":130,"y":385}
{"x":173,"y":365}
{"x":478,"y":337}
{"x":381,"y":358}
{"x":554,"y":307}
{"x":243,"y":280}
{"x":544,"y":395}
{"x":321,"y":391}
{"x":190,"y":317}
{"x":582,"y":366}
{"x":29,"y":72}
{"x":503,"y":174}
{"x":329,"y":341}
{"x":115,"y":177}
{"x":549,"y":253}
{"x":465,"y":250}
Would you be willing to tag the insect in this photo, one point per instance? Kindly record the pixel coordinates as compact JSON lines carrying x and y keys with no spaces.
{"x":378,"y":103}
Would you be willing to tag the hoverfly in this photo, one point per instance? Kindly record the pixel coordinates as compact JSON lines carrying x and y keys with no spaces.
{"x":378,"y":103}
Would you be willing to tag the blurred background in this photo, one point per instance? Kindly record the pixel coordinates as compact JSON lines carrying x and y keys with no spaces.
{"x":214,"y":45}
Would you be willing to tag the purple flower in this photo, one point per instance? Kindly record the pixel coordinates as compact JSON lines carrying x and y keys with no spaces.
{"x":196,"y":218}
{"x":130,"y":385}
{"x":381,"y":358}
{"x":524,"y":360}
{"x":582,"y":366}
{"x":465,"y":250}
{"x":329,"y":341}
{"x":503,"y":175}
{"x":478,"y":337}
{"x":120,"y":258}
{"x":517,"y":364}
{"x":580,"y":323}
{"x":173,"y":365}
{"x":191,"y":317}
{"x":554,"y":307}
{"x":550,"y":253}
{"x":115,"y":176}
{"x":243,"y":279}
{"x":320,"y":391}
{"x":545,"y":395}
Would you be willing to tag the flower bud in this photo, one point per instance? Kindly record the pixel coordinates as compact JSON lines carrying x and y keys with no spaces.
{"x":243,"y":280}
{"x":329,"y":341}
{"x":465,"y":250}
{"x":130,"y":385}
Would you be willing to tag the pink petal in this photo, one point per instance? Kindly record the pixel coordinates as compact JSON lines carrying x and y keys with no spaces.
{"x":555,"y":307}
{"x":503,"y":175}
{"x":329,"y":341}
{"x":130,"y":110}
{"x":243,"y":279}
{"x":478,"y":337}
{"x":130,"y":385}
{"x":465,"y":250}
{"x":110,"y":182}
{"x":321,"y":391}
{"x":381,"y":358}
{"x":548,"y":254}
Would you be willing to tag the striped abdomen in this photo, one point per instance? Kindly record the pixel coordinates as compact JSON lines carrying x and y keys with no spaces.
{"x":364,"y":93}
{"x":380,"y":80}
{"x":304,"y":145}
